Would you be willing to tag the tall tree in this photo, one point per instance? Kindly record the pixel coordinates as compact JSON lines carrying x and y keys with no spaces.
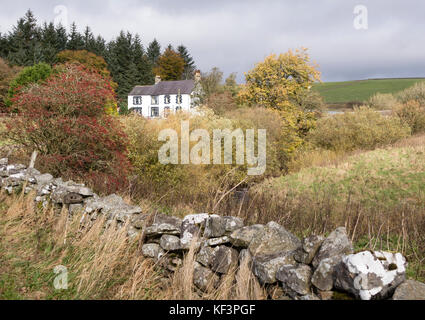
{"x":278,"y":81}
{"x":154,"y":52}
{"x":189,"y":63}
{"x":211,"y":83}
{"x":4,"y":46}
{"x":89,"y":40}
{"x":49,"y":43}
{"x":120,"y":59}
{"x":23,"y":41}
{"x":144,"y":74}
{"x":76,"y":40}
{"x":100,"y":46}
{"x":61,"y":37}
{"x":170,"y":65}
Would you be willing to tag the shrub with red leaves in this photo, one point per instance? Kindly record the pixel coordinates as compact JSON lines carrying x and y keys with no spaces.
{"x":65,"y":120}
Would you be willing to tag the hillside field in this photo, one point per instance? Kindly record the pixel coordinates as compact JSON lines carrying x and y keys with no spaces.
{"x":342,"y":93}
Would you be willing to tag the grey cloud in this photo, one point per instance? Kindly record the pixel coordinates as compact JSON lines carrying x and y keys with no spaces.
{"x":234,"y":35}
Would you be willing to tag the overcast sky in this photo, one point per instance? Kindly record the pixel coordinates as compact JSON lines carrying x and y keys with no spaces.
{"x":235,"y":34}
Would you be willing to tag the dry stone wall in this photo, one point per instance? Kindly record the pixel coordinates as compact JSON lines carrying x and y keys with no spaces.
{"x":312,"y":268}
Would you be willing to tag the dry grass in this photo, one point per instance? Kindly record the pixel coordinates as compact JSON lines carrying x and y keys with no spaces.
{"x":102,"y":262}
{"x":379,"y":196}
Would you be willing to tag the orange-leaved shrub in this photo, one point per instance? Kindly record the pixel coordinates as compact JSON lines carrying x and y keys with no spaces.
{"x":64,"y":119}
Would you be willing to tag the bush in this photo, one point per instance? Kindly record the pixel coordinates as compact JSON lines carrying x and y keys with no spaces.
{"x":199,"y":185}
{"x":7,"y":73}
{"x":35,"y":74}
{"x":362,"y":129}
{"x":64,"y":119}
{"x":221,"y":102}
{"x":416,"y":93}
{"x":382,"y":101}
{"x":413,"y":114}
{"x":311,"y":101}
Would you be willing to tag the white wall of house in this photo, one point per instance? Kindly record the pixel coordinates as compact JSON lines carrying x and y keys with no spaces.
{"x":145,"y":108}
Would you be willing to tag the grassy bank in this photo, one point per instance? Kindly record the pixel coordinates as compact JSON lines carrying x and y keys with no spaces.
{"x":342,"y":93}
{"x":378,"y":195}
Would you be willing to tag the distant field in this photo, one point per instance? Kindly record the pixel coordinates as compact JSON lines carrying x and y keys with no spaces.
{"x":361,"y":90}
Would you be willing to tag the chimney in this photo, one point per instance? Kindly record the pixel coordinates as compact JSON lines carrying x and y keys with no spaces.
{"x":157,"y":79}
{"x":198,"y":76}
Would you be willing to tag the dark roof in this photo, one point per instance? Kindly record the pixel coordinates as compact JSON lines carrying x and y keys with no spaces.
{"x":164,"y":87}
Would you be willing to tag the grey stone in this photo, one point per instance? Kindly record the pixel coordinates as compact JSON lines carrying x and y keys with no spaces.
{"x":4,"y":161}
{"x":337,"y":244}
{"x":215,"y":227}
{"x":153,"y":250}
{"x":139,"y":221}
{"x":233,"y":224}
{"x":295,"y":278}
{"x":410,"y":290}
{"x":189,"y":232}
{"x":370,"y":275}
{"x":224,"y":260}
{"x":113,"y":207}
{"x":44,"y":179}
{"x":273,"y":239}
{"x":242,"y":238}
{"x":83,"y":191}
{"x":196,"y":219}
{"x":206,"y":256}
{"x":218,"y":241}
{"x":11,"y":182}
{"x":204,"y":279}
{"x":265,"y":267}
{"x":72,"y":198}
{"x":170,"y":243}
{"x":323,"y":275}
{"x":160,"y":229}
{"x":164,"y":224}
{"x":310,"y":246}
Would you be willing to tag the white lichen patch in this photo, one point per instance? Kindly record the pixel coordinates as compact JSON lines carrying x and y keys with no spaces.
{"x":374,"y":271}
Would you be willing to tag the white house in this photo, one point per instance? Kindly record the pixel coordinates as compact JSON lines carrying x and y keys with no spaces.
{"x":165,"y":97}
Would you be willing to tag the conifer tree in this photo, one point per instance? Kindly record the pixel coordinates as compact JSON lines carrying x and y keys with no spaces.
{"x":154,"y":52}
{"x":76,"y":41}
{"x":144,"y":68}
{"x":49,"y":43}
{"x":61,"y":37}
{"x":189,"y":63}
{"x":121,"y":62}
{"x":23,"y":41}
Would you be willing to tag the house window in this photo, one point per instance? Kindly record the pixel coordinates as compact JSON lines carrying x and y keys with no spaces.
{"x":178,"y":109}
{"x":167,"y":99}
{"x":138,"y":111}
{"x":155,"y":100}
{"x":154,"y":112}
{"x":167,"y":112}
{"x":179,"y":99}
{"x":137,"y":101}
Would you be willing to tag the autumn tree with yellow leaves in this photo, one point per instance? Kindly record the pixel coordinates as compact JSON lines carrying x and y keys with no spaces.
{"x":280,"y":83}
{"x":278,"y":80}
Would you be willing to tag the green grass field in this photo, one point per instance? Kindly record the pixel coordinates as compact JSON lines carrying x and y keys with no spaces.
{"x":361,"y":90}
